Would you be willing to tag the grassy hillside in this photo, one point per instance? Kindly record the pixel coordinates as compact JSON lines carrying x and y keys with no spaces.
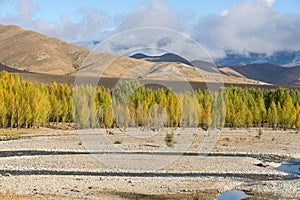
{"x":31,"y":51}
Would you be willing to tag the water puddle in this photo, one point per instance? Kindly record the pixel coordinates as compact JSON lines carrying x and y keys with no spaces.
{"x":234,"y":195}
{"x":291,"y":167}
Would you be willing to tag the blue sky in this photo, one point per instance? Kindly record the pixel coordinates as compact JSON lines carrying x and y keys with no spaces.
{"x":268,"y":25}
{"x":52,"y":10}
{"x":198,"y":7}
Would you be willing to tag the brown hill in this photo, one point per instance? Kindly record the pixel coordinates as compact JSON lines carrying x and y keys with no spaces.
{"x":114,"y":66}
{"x":266,"y":72}
{"x":31,"y":51}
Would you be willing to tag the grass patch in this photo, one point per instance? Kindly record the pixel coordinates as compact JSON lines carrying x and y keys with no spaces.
{"x":17,"y":132}
{"x":11,"y":195}
{"x":259,"y":133}
{"x":13,"y":134}
{"x":170,"y":139}
{"x":10,"y":135}
{"x":118,"y":142}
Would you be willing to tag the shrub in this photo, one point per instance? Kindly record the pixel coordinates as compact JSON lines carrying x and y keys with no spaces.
{"x":259,"y":133}
{"x":118,"y":142}
{"x":169,"y":139}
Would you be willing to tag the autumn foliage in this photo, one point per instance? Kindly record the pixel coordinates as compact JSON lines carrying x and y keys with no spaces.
{"x":25,"y":105}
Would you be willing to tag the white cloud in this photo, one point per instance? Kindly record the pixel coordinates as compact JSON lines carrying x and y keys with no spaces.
{"x":26,"y":9}
{"x":269,"y":2}
{"x":153,"y":41}
{"x":25,"y":12}
{"x":224,"y":13}
{"x":154,"y":14}
{"x":91,"y":25}
{"x":96,"y":24}
{"x":251,"y":26}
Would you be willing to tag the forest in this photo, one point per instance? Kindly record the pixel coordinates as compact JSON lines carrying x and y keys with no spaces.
{"x":24,"y":104}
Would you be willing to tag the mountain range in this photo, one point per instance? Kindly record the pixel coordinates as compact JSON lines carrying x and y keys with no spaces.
{"x":282,"y":58}
{"x":44,"y":59}
{"x":263,"y":72}
{"x":167,"y":57}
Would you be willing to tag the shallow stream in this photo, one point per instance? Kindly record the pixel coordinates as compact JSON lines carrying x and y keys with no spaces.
{"x":291,"y":167}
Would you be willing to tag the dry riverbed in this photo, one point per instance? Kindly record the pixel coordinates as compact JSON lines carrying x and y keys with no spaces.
{"x":57,"y":164}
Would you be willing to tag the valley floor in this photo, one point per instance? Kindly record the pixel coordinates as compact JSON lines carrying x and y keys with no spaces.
{"x":57,"y":164}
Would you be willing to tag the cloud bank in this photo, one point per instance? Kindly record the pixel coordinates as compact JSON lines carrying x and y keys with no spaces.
{"x":248,"y":26}
{"x":251,"y":26}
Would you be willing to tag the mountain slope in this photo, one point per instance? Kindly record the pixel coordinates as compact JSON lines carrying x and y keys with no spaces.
{"x":31,"y":51}
{"x":130,"y":68}
{"x":268,"y":73}
{"x":9,"y":69}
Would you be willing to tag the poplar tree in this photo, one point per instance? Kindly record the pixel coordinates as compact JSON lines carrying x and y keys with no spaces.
{"x":249,"y":118}
{"x":3,"y":108}
{"x":288,"y":112}
{"x":297,"y":123}
{"x":173,"y":109}
{"x":272,"y":115}
{"x":206,"y":112}
{"x":40,"y":105}
{"x":190,"y":110}
{"x":104,"y":107}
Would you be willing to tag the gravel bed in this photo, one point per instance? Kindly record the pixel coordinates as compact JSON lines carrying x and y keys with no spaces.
{"x":59,"y":163}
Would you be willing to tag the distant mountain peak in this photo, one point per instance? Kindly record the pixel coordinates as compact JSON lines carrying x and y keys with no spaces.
{"x":139,"y":56}
{"x":167,"y":57}
{"x":88,"y":44}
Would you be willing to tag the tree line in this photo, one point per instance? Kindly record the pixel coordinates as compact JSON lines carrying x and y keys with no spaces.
{"x":24,"y":104}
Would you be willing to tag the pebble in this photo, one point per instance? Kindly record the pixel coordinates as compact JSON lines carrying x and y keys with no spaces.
{"x":7,"y":174}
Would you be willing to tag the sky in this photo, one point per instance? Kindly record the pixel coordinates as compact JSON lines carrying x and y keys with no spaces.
{"x":263,"y":26}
